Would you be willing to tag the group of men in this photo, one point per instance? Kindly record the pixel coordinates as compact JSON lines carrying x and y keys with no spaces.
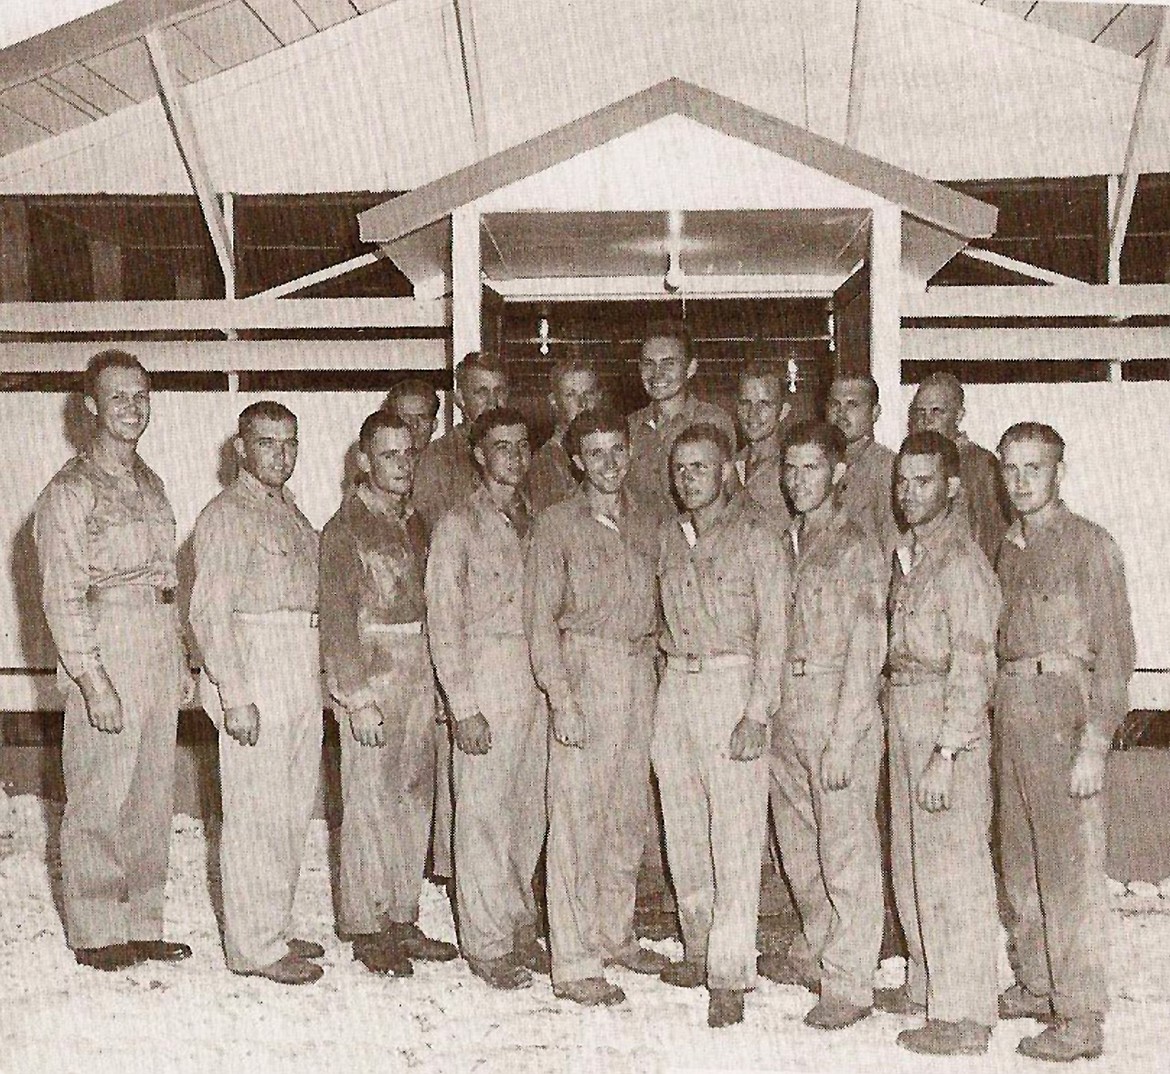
{"x":511,"y":642}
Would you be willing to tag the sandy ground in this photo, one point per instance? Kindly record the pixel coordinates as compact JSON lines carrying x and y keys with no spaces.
{"x":58,"y":1017}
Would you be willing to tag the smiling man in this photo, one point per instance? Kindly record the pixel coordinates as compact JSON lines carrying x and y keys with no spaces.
{"x":760,"y":411}
{"x":105,"y":537}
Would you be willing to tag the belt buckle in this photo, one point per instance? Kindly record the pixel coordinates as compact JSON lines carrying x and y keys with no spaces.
{"x":694,"y":663}
{"x":166,"y":595}
{"x":797,"y":667}
{"x":314,"y":618}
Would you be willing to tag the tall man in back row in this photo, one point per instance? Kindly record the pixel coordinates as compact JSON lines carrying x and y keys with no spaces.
{"x":105,"y":537}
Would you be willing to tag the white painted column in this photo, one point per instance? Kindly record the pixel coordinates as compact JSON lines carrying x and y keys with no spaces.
{"x":466,"y":288}
{"x":885,"y":320}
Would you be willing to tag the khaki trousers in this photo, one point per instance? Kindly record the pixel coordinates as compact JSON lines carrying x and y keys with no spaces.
{"x":715,"y":811}
{"x":597,"y":807}
{"x":387,"y":791}
{"x":500,"y":812}
{"x":943,"y":876}
{"x":829,"y":843}
{"x":1052,"y":847}
{"x":269,"y":789}
{"x":443,"y":812}
{"x":119,"y":788}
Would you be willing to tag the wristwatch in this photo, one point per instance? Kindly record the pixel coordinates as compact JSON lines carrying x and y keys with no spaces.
{"x":947,"y":753}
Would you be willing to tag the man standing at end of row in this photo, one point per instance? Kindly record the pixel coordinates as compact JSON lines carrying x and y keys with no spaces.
{"x":551,"y":478}
{"x":1066,"y":653}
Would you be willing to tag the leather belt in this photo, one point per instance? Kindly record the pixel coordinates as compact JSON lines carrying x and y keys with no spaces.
{"x":134,"y":595}
{"x":1044,"y":664}
{"x":281,"y":615}
{"x":393,"y":628}
{"x":693,"y":664}
{"x":914,"y":676}
{"x":635,"y":647}
{"x":800,"y":668}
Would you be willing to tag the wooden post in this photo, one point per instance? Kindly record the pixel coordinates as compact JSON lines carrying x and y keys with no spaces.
{"x":466,"y":287}
{"x":885,"y":283}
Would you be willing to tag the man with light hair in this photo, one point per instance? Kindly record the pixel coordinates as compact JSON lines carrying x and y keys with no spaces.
{"x":417,"y":404}
{"x":551,"y":477}
{"x":761,"y":408}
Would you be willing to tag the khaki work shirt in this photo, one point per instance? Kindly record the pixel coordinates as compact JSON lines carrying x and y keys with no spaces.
{"x":1065,"y":592}
{"x":763,"y":486}
{"x":446,"y":475}
{"x":550,"y":478}
{"x":254,"y":553}
{"x":586,"y":574}
{"x":474,"y":589}
{"x":836,"y":622}
{"x":649,"y":481}
{"x":726,"y":592}
{"x":866,"y":491}
{"x":984,"y":495}
{"x":99,"y":525}
{"x":372,"y":570}
{"x":944,"y":608}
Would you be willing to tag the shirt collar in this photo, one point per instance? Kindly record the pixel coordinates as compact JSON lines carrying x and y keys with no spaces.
{"x":688,"y":411}
{"x":938,"y":534}
{"x":1015,"y":532}
{"x":105,"y":460}
{"x":256,"y":490}
{"x":379,"y":506}
{"x":858,"y":449}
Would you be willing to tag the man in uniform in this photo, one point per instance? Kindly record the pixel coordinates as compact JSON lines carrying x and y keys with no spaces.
{"x":944,"y":606}
{"x":474,"y":591}
{"x":938,"y":406}
{"x":723,"y":582}
{"x":417,"y":404}
{"x":374,"y":651}
{"x":575,"y":387}
{"x":591,"y":613}
{"x":1066,"y":653}
{"x":254,"y":616}
{"x":828,"y":736}
{"x":760,"y":411}
{"x":105,"y":536}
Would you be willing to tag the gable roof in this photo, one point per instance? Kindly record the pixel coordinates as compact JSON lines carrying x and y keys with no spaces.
{"x":927,"y":200}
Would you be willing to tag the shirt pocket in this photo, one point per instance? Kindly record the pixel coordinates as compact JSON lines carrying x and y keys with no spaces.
{"x":122,"y":537}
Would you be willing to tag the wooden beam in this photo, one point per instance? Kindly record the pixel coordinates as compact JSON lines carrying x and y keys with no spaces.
{"x":221,"y":315}
{"x":1021,"y":268}
{"x":863,"y":32}
{"x":1091,"y":300}
{"x":885,"y":294}
{"x":584,"y":288}
{"x":187,"y":142}
{"x":466,"y":284}
{"x":469,"y":53}
{"x":1120,"y":344}
{"x":320,"y":276}
{"x":1155,"y":62}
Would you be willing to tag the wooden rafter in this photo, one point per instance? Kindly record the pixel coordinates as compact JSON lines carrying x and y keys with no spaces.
{"x":1029,"y":301}
{"x":302,"y":283}
{"x":863,"y":28}
{"x":1022,"y":268}
{"x":469,"y":53}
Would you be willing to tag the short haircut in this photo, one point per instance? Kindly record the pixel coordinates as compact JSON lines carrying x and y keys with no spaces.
{"x":563,"y":367}
{"x":478,"y":360}
{"x":602,"y":419}
{"x":108,"y":359}
{"x":496,"y":418}
{"x":412,"y":388}
{"x":670,"y":328}
{"x":862,"y":378}
{"x":819,"y":434}
{"x":948,"y":382}
{"x":703,"y":432}
{"x":375,"y":423}
{"x":1035,"y":431}
{"x":764,"y":371}
{"x":932,"y":443}
{"x":264,"y":410}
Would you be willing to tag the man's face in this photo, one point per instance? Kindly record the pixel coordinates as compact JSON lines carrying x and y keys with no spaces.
{"x":760,"y":408}
{"x":808,"y":477}
{"x":935,"y":409}
{"x":389,"y":462}
{"x":482,"y":390}
{"x":419,"y":413}
{"x":504,"y":454}
{"x":851,"y":408}
{"x":605,"y":460}
{"x":664,"y":368}
{"x":575,"y":391}
{"x":121,"y":404}
{"x":1031,"y":474}
{"x":921,"y":488}
{"x":269,"y":450}
{"x":699,"y":471}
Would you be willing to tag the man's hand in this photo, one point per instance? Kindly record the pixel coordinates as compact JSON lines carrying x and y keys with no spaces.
{"x":569,"y":724}
{"x":748,"y":740}
{"x":934,"y":785}
{"x":836,"y":767}
{"x":366,"y":725}
{"x":473,"y":735}
{"x":1088,"y":772}
{"x":243,"y":724}
{"x":102,"y":703}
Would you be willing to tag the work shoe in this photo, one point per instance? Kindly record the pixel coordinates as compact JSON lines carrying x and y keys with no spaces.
{"x":305,"y":948}
{"x":590,"y":992}
{"x":639,"y":959}
{"x":1018,"y":1002}
{"x":896,"y":1001}
{"x":160,"y":950}
{"x":112,"y":957}
{"x":833,"y":1012}
{"x":946,"y":1038}
{"x":416,"y":944}
{"x":288,"y":970}
{"x":379,"y":956}
{"x":684,"y":974}
{"x":725,"y":1007}
{"x":1065,"y":1040}
{"x":782,"y":970}
{"x":502,"y":973}
{"x":533,"y":957}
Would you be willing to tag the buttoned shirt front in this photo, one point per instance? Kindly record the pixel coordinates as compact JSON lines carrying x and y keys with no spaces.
{"x":726,"y":592}
{"x":446,"y":474}
{"x":99,"y":524}
{"x":866,"y":491}
{"x":372,"y":570}
{"x":254,"y":553}
{"x":944,"y":608}
{"x":587,"y":574}
{"x":762,"y":484}
{"x":474,"y":589}
{"x":550,"y":478}
{"x":1065,"y":592}
{"x":649,"y":479}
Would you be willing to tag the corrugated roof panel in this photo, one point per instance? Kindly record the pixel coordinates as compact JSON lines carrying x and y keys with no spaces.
{"x":186,"y":57}
{"x":127,"y":68}
{"x":287,"y":21}
{"x":326,"y":13}
{"x":1133,"y":29}
{"x":16,"y":131}
{"x":230,"y":35}
{"x":102,"y":95}
{"x":43,"y":107}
